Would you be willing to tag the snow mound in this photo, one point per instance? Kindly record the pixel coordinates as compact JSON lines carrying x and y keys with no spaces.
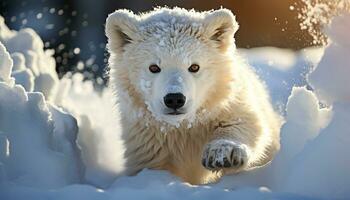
{"x":32,"y":64}
{"x":321,"y":168}
{"x":5,"y":66}
{"x":32,"y":67}
{"x":28,"y":133}
{"x":331,"y":78}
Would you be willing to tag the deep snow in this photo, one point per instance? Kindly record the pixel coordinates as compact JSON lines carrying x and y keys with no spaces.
{"x":40,"y":159}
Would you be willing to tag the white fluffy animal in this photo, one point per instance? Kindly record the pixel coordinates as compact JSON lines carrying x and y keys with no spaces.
{"x":188,"y":103}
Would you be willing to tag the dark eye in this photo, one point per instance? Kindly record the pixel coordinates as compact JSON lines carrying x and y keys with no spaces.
{"x":193,"y":68}
{"x":154,"y":68}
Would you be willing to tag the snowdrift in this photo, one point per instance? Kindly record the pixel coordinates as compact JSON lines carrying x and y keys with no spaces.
{"x":59,"y":139}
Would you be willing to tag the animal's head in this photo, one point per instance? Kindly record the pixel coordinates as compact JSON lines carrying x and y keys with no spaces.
{"x":175,"y":62}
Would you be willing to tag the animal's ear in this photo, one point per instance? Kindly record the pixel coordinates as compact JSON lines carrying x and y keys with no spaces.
{"x":220,"y":27}
{"x":121,"y":29}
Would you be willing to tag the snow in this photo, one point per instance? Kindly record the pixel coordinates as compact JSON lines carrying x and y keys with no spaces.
{"x":321,"y":169}
{"x":303,"y":113}
{"x":98,"y":135}
{"x":25,"y":78}
{"x":31,"y":137}
{"x":331,"y":79}
{"x":282,"y":69}
{"x":328,"y":153}
{"x":26,"y":48}
{"x":60,"y":139}
{"x":18,"y":61}
{"x":5,"y":66}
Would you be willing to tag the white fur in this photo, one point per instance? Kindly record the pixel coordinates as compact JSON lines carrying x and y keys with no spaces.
{"x":224,"y":99}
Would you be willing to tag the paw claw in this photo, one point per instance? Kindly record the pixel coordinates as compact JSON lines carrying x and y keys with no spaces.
{"x":235,"y":162}
{"x":218,"y":164}
{"x":227,"y":163}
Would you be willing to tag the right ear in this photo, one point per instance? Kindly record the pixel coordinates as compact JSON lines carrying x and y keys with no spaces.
{"x":121,"y":29}
{"x":220,"y":27}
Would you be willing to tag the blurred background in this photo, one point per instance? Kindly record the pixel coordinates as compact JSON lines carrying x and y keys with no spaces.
{"x":75,"y":28}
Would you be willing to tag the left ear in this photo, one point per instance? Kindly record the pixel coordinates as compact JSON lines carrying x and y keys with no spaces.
{"x":220,"y":27}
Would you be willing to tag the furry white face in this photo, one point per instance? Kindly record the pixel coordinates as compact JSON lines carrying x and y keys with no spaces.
{"x":173,"y":58}
{"x":173,"y":81}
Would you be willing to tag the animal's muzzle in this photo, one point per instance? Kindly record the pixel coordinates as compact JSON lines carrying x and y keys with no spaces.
{"x":174,"y":100}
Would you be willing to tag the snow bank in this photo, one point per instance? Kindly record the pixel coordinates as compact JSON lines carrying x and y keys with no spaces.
{"x":46,"y":153}
{"x":321,"y":169}
{"x":31,"y":62}
{"x":28,"y":131}
{"x":34,"y":68}
{"x":99,"y":133}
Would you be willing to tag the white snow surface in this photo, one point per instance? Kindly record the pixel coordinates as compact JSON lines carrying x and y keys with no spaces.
{"x":60,"y":139}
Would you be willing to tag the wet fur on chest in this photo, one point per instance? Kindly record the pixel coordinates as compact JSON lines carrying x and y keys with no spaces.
{"x":152,"y":148}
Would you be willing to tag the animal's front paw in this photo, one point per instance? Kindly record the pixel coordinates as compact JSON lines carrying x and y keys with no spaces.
{"x":223,"y":153}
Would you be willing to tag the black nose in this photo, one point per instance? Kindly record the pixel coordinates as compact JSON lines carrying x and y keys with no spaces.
{"x":174,"y":100}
